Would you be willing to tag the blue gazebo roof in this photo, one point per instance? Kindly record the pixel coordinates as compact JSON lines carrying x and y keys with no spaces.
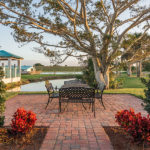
{"x":4,"y":55}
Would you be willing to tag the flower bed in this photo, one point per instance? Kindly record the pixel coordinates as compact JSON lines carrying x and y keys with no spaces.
{"x":135,"y":124}
{"x":22,"y":134}
{"x":29,"y":141}
{"x":133,"y":133}
{"x":121,"y":140}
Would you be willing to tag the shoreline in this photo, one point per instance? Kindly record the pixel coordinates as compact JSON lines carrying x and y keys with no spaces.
{"x":28,"y":80}
{"x":51,"y":78}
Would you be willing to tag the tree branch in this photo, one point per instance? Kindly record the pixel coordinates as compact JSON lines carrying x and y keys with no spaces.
{"x":136,"y":40}
{"x":135,"y":23}
{"x":105,"y":11}
{"x":70,"y":8}
{"x":31,"y":19}
{"x":114,"y":7}
{"x":65,"y":11}
{"x":127,"y":6}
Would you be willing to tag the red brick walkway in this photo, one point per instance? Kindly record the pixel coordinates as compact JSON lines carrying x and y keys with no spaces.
{"x":76,"y":128}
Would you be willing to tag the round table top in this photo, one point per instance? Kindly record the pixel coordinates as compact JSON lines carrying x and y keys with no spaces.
{"x":75,"y":85}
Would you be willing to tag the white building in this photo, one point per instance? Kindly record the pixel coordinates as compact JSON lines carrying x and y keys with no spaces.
{"x":27,"y":69}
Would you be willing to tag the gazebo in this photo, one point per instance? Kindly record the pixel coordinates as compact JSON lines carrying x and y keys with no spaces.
{"x":12,"y":72}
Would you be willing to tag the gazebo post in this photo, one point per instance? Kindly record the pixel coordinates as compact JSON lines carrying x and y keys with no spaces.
{"x":19,"y":66}
{"x":9,"y":66}
{"x":3,"y":66}
{"x":15,"y":71}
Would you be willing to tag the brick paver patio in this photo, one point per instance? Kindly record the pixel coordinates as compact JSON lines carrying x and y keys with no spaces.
{"x":75,"y":128}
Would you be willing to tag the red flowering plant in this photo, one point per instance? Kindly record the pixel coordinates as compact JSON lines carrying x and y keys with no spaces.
{"x":23,"y":121}
{"x":136,"y":125}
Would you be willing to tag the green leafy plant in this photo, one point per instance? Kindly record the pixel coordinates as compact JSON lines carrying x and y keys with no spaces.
{"x":114,"y":83}
{"x":2,"y":97}
{"x":146,"y":65}
{"x":147,"y":94}
{"x":89,"y":77}
{"x":88,"y":74}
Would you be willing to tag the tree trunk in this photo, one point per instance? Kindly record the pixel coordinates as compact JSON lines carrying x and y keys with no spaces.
{"x":106,"y":78}
{"x":102,"y":78}
{"x":129,"y":71}
{"x":139,"y":69}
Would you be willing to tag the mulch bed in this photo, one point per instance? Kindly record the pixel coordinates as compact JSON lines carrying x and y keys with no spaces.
{"x":123,"y":141}
{"x":30,"y":141}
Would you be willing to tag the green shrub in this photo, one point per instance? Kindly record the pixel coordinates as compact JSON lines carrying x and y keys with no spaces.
{"x":88,"y":74}
{"x":146,"y":65}
{"x":114,"y":82}
{"x":12,"y":85}
{"x":2,"y":118}
{"x":147,"y":94}
{"x":2,"y":97}
{"x":89,"y":77}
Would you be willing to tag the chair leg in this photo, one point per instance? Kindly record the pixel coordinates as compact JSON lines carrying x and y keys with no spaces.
{"x":102,"y":102}
{"x":83,"y":106}
{"x":89,"y":105}
{"x":94,"y":107}
{"x":47,"y":102}
{"x":59,"y":106}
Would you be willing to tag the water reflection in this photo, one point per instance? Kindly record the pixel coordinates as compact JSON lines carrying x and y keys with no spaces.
{"x":40,"y":86}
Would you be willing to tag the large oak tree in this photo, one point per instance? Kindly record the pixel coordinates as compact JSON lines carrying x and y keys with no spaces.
{"x":94,"y":27}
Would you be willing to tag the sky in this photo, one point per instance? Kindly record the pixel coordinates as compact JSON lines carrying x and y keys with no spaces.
{"x":30,"y":57}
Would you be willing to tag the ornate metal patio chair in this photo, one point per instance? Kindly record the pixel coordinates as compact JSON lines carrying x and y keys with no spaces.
{"x":52,"y":92}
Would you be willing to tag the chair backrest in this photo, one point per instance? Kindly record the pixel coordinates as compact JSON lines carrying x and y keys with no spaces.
{"x":49,"y":87}
{"x":77,"y":92}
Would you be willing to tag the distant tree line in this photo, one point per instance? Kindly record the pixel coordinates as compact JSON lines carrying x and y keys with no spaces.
{"x":58,"y":68}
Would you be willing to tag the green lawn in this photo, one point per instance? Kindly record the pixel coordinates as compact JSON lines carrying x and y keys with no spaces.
{"x":131,"y":82}
{"x":138,"y":92}
{"x":38,"y":76}
{"x":10,"y":95}
{"x":59,"y":68}
{"x":131,"y":85}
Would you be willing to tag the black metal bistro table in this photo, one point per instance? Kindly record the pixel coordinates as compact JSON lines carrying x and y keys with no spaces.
{"x":75,"y":85}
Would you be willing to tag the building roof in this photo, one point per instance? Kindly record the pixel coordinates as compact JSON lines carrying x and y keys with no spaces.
{"x":4,"y":55}
{"x":25,"y":67}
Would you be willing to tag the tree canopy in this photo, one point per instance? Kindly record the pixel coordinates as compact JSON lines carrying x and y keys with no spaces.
{"x":139,"y":50}
{"x":37,"y":64}
{"x":93,"y":27}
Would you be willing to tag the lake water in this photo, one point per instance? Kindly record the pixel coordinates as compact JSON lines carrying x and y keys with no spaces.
{"x":61,"y":72}
{"x":40,"y":86}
